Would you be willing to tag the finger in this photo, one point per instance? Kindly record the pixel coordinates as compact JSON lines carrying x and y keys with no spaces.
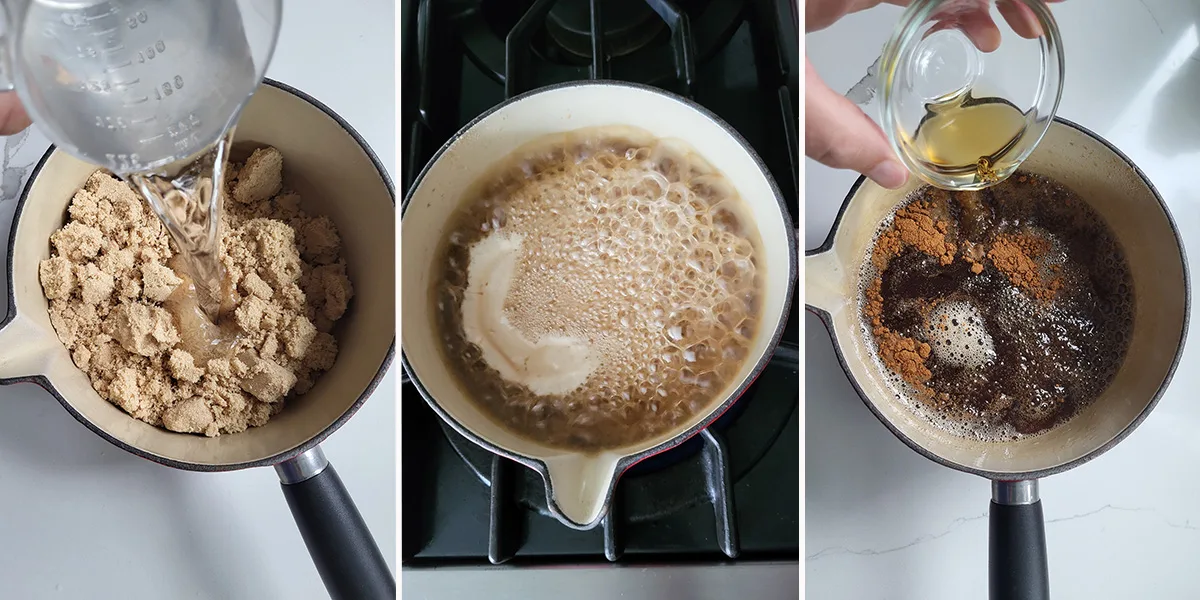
{"x":972,"y":18}
{"x":981,"y":30}
{"x":1021,"y":18}
{"x":819,"y":14}
{"x":839,"y":135}
{"x":13,"y":118}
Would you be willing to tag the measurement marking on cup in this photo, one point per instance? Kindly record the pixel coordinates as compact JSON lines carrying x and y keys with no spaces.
{"x":150,"y":139}
{"x":128,"y":63}
{"x":115,"y":49}
{"x":127,"y":84}
{"x":98,"y":17}
{"x":143,"y":120}
{"x":135,"y":101}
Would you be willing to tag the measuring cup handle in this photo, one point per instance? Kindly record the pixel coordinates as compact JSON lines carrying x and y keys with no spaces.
{"x":338,"y":539}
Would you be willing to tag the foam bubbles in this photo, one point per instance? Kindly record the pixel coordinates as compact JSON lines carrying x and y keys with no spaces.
{"x":1008,"y":366}
{"x":633,"y":244}
{"x":957,"y":335}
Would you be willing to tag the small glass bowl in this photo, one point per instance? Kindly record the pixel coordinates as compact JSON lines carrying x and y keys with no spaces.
{"x":969,"y":87}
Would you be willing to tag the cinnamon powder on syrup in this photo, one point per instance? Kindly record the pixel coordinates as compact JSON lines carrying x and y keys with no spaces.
{"x":915,"y":226}
{"x":912,"y":226}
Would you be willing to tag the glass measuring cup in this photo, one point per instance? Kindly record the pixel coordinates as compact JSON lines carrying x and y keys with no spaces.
{"x":134,"y":85}
{"x":969,"y":87}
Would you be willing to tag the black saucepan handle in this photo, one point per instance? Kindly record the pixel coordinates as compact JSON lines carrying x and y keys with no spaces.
{"x":1017,"y":565}
{"x":341,"y":546}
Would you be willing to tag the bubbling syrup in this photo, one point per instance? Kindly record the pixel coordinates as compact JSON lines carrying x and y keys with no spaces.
{"x":1006,"y":363}
{"x":599,"y":288}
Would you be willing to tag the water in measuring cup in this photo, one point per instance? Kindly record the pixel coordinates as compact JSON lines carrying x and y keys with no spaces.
{"x":133,"y":85}
{"x":150,"y":90}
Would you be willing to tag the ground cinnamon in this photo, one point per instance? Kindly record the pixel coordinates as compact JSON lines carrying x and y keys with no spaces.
{"x":912,"y":226}
{"x":1018,"y":256}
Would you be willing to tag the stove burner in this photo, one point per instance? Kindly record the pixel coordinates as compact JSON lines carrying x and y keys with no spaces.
{"x":636,"y":43}
{"x":627,"y":26}
{"x":727,"y":494}
{"x":672,"y":481}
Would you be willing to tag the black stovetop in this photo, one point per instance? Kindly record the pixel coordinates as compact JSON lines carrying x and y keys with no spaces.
{"x":731,"y":492}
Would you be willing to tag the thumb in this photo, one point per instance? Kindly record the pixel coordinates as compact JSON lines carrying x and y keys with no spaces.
{"x":839,"y":135}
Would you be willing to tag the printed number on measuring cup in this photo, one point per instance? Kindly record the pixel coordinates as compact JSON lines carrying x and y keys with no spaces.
{"x":183,"y":127}
{"x":111,"y":123}
{"x":166,"y":89}
{"x":124,"y":162}
{"x":133,"y":21}
{"x":151,"y":51}
{"x":98,"y":86}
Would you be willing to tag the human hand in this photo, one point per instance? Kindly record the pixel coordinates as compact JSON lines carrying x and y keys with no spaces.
{"x":13,"y":118}
{"x":837,"y":133}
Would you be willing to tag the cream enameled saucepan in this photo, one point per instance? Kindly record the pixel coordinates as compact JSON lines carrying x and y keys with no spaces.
{"x":1131,"y":206}
{"x":579,"y":486}
{"x":337,"y":175}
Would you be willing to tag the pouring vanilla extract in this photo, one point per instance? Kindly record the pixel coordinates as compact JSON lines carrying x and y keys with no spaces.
{"x":968,"y":88}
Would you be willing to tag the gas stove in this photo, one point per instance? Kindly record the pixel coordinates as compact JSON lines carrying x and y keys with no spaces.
{"x":730,"y":495}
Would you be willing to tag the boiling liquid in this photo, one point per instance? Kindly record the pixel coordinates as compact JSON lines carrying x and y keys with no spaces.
{"x":1004,"y":364}
{"x":599,"y":289}
{"x":968,"y":139}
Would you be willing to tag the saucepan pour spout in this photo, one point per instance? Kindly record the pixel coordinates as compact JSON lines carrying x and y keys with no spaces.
{"x":579,"y":487}
{"x":25,"y":348}
{"x":824,"y":281}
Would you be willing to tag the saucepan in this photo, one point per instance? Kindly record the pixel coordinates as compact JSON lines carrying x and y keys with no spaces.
{"x":337,"y":175}
{"x":579,"y":486}
{"x":1125,"y":198}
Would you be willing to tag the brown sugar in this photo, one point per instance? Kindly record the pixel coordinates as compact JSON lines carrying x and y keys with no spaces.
{"x":1018,"y":257}
{"x":112,"y":293}
{"x":260,"y":178}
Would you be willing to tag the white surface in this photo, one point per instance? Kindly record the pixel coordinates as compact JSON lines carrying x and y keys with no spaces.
{"x":79,"y":518}
{"x":751,"y":580}
{"x":882,"y":522}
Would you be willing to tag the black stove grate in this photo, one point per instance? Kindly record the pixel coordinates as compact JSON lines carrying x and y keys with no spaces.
{"x":658,"y":511}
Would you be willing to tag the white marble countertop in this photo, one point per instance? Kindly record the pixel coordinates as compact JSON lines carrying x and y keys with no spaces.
{"x":883,"y":522}
{"x":79,"y":518}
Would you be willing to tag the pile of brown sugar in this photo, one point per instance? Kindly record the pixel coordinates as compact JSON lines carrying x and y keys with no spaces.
{"x":109,"y":285}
